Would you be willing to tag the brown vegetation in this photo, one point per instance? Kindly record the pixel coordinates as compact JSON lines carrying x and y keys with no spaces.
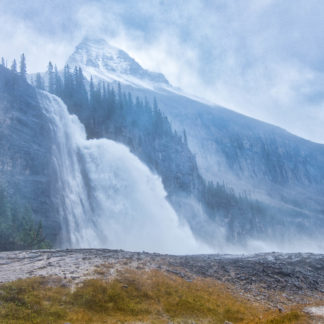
{"x":132,"y":296}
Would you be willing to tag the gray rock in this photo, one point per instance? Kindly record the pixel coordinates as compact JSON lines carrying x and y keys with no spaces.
{"x":26,"y":168}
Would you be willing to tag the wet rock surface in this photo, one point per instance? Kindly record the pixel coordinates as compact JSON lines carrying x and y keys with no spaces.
{"x":274,"y":278}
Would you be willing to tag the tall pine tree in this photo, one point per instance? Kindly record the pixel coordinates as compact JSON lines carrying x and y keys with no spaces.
{"x":14,"y":66}
{"x":51,"y":78}
{"x":39,"y":82}
{"x":58,"y":84}
{"x":23,"y":67}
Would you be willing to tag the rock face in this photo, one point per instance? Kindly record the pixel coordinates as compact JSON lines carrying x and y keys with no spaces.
{"x":271,"y":277}
{"x":26,"y":168}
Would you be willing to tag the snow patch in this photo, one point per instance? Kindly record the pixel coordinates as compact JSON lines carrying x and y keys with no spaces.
{"x":99,"y":59}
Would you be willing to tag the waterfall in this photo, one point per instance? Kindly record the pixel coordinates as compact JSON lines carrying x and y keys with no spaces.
{"x":107,"y":197}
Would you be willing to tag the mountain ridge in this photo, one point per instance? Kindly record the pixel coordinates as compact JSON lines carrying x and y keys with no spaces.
{"x":111,"y":63}
{"x":254,"y":157}
{"x":98,"y":49}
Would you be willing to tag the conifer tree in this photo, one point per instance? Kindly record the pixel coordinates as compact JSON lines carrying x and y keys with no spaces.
{"x":155,"y":105}
{"x":58,"y":84}
{"x":129,"y":100}
{"x":14,"y":66}
{"x":39,"y":82}
{"x":51,"y":79}
{"x":120,"y":96}
{"x":81,"y":88}
{"x":79,"y":94}
{"x":18,"y":230}
{"x":111,"y":99}
{"x":23,"y":67}
{"x":67,"y":86}
{"x":185,"y":140}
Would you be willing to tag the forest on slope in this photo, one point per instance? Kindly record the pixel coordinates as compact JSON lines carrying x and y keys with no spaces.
{"x":107,"y":111}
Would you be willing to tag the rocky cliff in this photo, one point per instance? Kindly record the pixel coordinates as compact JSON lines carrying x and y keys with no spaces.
{"x":26,"y":169}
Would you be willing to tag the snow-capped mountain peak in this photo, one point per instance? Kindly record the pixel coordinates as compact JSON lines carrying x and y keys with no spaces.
{"x":99,"y":59}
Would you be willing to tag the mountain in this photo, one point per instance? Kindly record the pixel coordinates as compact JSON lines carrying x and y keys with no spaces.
{"x":253,"y":157}
{"x":229,"y":146}
{"x":136,"y":164}
{"x":103,"y":61}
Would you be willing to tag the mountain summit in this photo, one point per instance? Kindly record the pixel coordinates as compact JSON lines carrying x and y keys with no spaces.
{"x":101,"y":60}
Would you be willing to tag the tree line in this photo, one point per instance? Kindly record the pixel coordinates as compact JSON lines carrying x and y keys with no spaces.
{"x":22,"y":66}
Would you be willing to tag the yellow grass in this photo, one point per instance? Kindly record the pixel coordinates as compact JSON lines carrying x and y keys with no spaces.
{"x":133,"y":296}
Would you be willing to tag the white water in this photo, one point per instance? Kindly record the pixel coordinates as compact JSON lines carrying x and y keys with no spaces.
{"x":108,"y":198}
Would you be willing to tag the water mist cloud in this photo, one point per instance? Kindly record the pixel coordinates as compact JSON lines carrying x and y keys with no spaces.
{"x":262,"y":58}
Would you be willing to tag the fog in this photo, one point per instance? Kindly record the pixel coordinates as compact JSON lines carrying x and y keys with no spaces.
{"x":263,"y":58}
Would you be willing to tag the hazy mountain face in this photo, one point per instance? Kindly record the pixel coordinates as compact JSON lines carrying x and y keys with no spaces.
{"x":212,"y":163}
{"x":266,"y":63}
{"x":253,"y":157}
{"x":229,"y":147}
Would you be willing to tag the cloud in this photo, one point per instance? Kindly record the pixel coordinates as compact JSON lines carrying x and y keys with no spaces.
{"x":264,"y":58}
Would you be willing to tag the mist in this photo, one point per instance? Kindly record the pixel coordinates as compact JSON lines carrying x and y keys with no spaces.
{"x":108,"y":197}
{"x":261,"y":58}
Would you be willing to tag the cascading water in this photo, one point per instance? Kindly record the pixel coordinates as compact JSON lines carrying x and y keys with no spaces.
{"x":108,"y":197}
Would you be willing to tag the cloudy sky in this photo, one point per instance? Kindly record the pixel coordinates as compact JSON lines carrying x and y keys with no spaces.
{"x":263,"y":58}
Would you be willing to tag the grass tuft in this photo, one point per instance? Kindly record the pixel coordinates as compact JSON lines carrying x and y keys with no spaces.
{"x":132,"y":296}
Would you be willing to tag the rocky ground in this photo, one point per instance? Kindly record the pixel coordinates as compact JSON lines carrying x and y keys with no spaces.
{"x":276,"y":279}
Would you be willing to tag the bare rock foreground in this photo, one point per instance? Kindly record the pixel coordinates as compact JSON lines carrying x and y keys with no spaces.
{"x":275,"y":279}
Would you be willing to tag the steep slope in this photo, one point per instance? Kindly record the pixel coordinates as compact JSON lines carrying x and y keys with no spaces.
{"x":246,"y":153}
{"x":258,"y":160}
{"x":249,"y":155}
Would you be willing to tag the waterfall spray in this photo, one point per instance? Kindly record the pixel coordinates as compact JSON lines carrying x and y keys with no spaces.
{"x":108,"y":197}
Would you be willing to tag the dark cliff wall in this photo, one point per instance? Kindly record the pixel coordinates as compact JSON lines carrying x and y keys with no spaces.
{"x":25,"y":151}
